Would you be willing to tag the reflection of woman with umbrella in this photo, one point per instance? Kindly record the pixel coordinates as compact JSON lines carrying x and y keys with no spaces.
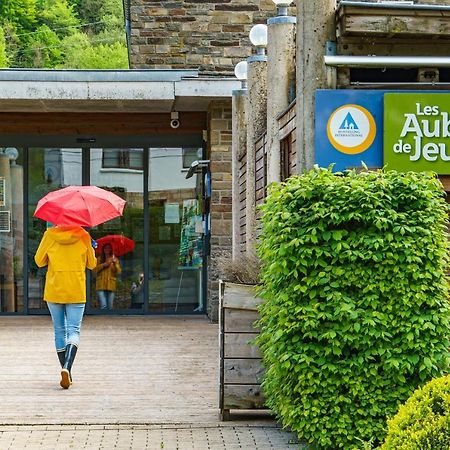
{"x":67,"y":251}
{"x":107,"y":269}
{"x":108,"y":266}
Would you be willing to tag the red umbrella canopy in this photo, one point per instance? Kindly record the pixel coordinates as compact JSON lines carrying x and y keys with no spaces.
{"x":120,"y":244}
{"x":85,"y":206}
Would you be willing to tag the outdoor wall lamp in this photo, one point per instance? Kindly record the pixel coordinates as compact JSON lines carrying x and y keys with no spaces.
{"x":240,"y":71}
{"x":12,"y":153}
{"x":258,"y":37}
{"x":282,"y":6}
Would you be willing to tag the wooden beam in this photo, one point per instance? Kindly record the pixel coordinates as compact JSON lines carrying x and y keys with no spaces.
{"x":395,"y":46}
{"x":243,"y":397}
{"x":99,"y":123}
{"x":353,"y":21}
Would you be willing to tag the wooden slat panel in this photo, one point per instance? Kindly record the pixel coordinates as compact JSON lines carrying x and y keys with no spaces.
{"x":237,"y":346}
{"x":393,"y":22}
{"x":287,"y":129}
{"x":243,"y":397}
{"x":261,"y":169}
{"x":293,"y":155}
{"x":240,"y":296}
{"x":260,"y":196}
{"x":240,"y":321}
{"x":260,"y":184}
{"x":287,"y":136}
{"x":243,"y":371}
{"x":242,"y":199}
{"x":260,"y":180}
{"x":260,"y":163}
{"x":287,"y":116}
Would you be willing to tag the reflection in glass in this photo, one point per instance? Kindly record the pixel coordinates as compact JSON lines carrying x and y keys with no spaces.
{"x":120,"y":285}
{"x":11,"y":230}
{"x":175,"y":232}
{"x":49,"y":169}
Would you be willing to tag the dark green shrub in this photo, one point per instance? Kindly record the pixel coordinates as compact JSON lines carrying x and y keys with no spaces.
{"x":356,"y":314}
{"x":423,"y":422}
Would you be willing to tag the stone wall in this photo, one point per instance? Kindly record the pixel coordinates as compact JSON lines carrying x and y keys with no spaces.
{"x":211,"y":35}
{"x":219,"y":150}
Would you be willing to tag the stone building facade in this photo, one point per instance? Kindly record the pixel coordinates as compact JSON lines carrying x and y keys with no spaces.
{"x":211,"y":35}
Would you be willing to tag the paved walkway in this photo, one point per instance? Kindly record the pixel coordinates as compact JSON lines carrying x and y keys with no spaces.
{"x":139,"y":383}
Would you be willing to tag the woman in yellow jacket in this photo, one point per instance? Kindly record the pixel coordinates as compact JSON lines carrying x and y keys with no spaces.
{"x":67,"y":251}
{"x":108,"y":267}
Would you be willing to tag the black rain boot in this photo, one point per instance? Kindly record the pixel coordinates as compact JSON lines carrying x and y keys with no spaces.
{"x":61,"y":356}
{"x":66,"y":377}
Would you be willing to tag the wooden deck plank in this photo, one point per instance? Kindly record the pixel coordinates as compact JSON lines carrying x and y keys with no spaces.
{"x":128,"y":369}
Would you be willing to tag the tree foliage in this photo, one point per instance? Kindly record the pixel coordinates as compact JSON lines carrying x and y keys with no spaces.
{"x":101,"y":56}
{"x":3,"y":57}
{"x":59,"y":16}
{"x":22,"y":13}
{"x":62,"y":34}
{"x":356,"y":314}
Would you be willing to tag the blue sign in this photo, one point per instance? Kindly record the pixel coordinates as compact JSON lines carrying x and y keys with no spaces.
{"x":349,"y":128}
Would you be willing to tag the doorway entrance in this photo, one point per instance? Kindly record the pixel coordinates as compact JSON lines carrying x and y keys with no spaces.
{"x":165,"y":216}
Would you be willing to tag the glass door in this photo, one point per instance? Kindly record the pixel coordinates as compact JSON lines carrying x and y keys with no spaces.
{"x":164,"y":219}
{"x":11,"y":230}
{"x":176,"y":230}
{"x":49,"y":169}
{"x":119,"y":286}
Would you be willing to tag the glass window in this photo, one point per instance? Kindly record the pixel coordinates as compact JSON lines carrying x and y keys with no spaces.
{"x":190,"y":155}
{"x":11,"y":230}
{"x":118,"y":158}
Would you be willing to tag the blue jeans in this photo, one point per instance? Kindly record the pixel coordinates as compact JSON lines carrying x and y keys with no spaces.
{"x":106,"y":299}
{"x":66,"y":319}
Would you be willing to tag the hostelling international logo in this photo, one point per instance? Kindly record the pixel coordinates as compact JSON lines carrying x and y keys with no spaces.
{"x":351,"y":129}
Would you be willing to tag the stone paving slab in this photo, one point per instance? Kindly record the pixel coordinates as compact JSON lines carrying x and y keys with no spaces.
{"x":182,"y":437}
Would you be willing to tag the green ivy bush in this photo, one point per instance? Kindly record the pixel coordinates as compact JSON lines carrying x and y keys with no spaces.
{"x":356,"y":315}
{"x":423,"y":422}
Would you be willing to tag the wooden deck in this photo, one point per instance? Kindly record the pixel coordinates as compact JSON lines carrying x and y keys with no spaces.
{"x":153,"y":370}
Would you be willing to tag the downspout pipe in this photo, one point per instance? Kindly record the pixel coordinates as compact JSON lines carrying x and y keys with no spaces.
{"x":127,"y":19}
{"x":394,"y":5}
{"x":386,"y":61}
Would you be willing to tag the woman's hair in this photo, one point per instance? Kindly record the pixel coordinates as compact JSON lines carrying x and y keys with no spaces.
{"x":102,"y":254}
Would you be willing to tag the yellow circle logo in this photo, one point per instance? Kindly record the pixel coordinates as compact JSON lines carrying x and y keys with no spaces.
{"x":351,"y":129}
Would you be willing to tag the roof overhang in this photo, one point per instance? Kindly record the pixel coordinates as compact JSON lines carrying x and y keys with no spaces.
{"x":110,"y":90}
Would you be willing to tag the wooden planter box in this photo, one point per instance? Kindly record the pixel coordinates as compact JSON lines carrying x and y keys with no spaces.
{"x":240,"y":362}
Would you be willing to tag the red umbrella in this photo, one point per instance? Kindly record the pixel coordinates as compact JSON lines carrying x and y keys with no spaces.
{"x":85,"y":206}
{"x":120,"y":244}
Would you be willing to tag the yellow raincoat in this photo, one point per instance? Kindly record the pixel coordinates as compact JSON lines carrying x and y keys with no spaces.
{"x":68,"y":252}
{"x":107,"y":276}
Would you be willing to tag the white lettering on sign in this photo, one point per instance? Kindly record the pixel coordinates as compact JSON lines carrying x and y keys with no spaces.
{"x":427,"y":122}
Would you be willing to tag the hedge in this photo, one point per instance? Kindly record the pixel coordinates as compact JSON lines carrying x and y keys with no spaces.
{"x":423,"y":422}
{"x":356,"y":315}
